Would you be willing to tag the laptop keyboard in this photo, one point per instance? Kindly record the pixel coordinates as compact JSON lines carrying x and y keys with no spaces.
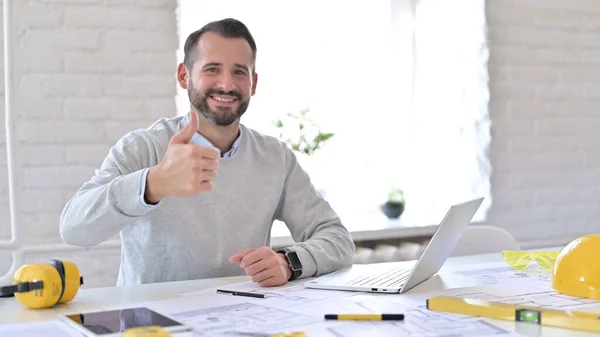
{"x":391,"y":278}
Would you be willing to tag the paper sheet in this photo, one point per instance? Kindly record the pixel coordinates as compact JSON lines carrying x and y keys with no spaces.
{"x":419,"y":320}
{"x":294,"y":308}
{"x":250,"y":317}
{"x":291,"y":294}
{"x":531,"y":287}
{"x":286,"y":290}
{"x":525,"y":295}
{"x":501,"y":273}
{"x":214,"y":314}
{"x":53,"y":328}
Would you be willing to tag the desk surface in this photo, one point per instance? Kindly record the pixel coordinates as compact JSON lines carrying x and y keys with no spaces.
{"x":11,"y":311}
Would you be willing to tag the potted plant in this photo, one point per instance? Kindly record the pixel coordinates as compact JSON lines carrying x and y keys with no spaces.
{"x":394,"y":206}
{"x":304,"y":137}
{"x":302,"y":134}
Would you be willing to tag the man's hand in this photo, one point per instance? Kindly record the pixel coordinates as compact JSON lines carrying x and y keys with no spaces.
{"x":186,"y":169}
{"x":264,"y":266}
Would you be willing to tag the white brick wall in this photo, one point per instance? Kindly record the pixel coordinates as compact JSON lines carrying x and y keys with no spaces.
{"x":545,"y":109}
{"x":87,"y":71}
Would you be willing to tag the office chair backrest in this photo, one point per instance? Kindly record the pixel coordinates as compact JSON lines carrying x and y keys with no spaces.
{"x":483,"y":239}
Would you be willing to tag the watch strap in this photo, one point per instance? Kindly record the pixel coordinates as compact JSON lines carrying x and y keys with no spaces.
{"x":295,"y":272}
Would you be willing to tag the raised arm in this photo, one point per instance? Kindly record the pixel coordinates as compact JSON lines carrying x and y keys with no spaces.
{"x":323,"y":244}
{"x":110,"y":200}
{"x":131,"y":182}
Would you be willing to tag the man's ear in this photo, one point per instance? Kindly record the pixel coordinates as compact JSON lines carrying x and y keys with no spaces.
{"x":254,"y":80}
{"x":182,"y":75}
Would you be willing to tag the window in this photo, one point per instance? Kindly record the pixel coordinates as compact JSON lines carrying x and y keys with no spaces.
{"x":352,"y":64}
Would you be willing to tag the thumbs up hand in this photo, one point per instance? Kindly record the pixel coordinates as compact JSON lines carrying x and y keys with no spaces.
{"x":186,"y":169}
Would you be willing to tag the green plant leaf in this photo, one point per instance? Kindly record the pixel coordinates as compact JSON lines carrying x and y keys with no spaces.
{"x":300,"y":122}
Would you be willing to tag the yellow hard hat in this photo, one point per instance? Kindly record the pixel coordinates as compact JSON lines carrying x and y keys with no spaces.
{"x":576,"y":272}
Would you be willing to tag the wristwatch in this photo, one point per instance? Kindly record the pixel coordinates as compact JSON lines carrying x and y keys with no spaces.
{"x":293,"y":262}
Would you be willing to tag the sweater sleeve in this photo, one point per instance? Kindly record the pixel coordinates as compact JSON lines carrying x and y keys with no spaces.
{"x":111,"y":199}
{"x":322,"y":242}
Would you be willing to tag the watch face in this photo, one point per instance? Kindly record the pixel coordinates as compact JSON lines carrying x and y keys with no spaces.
{"x":294,"y":261}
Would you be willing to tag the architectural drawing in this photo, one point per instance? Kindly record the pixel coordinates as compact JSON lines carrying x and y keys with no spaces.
{"x":247,"y":317}
{"x":497,"y":273}
{"x":525,"y":295}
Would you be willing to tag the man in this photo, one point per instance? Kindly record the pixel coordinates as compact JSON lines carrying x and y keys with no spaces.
{"x":195,"y":197}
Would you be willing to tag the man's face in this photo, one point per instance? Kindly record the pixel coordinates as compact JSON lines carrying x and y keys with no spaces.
{"x":221,"y":82}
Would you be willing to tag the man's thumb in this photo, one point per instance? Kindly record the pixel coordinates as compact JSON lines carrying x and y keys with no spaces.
{"x":184,"y":136}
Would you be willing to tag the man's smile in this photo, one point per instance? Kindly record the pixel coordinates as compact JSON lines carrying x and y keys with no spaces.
{"x":223,"y":99}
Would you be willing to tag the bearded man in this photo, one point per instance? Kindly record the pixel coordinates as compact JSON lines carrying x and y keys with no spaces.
{"x":195,"y":196}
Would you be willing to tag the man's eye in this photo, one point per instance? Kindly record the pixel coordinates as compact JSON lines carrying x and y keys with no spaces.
{"x":212,"y":70}
{"x":240,"y":72}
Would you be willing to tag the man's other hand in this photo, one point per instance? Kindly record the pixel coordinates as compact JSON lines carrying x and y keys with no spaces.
{"x":263,"y":265}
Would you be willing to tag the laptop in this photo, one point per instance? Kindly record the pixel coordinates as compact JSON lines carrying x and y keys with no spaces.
{"x":399,"y":277}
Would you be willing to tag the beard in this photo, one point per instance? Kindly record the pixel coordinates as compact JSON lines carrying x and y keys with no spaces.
{"x":223,"y":116}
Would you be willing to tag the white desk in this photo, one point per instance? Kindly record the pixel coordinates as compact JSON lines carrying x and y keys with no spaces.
{"x":11,"y":311}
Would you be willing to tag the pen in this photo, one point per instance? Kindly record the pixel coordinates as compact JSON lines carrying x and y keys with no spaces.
{"x":239,"y":293}
{"x":366,"y":317}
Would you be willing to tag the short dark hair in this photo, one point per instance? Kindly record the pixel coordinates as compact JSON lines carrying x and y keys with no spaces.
{"x":227,"y":28}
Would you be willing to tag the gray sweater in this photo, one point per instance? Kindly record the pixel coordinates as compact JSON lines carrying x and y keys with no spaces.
{"x":193,"y":237}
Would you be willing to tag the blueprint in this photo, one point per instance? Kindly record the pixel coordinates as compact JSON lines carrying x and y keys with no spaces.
{"x":525,"y":295}
{"x":247,"y":317}
{"x":419,"y":320}
{"x":500,"y":272}
{"x":477,"y":328}
{"x":294,"y":290}
{"x":294,"y":308}
{"x":290,"y":294}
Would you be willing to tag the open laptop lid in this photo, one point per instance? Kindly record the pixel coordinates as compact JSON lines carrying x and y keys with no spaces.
{"x":442,"y":242}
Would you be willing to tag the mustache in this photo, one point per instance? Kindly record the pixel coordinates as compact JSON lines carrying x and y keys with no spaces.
{"x":233,"y":93}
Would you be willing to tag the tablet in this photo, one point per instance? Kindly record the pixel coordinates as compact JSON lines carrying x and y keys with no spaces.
{"x":109,"y":323}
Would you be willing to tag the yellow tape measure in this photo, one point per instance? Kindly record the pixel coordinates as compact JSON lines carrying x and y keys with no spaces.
{"x":147,"y":331}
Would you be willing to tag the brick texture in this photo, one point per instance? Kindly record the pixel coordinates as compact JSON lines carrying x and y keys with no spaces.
{"x":86,"y":72}
{"x":545,"y":111}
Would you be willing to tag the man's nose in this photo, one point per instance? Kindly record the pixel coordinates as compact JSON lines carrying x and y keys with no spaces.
{"x":225,"y":82}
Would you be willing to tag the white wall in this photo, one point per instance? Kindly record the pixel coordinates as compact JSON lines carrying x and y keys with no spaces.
{"x":87,"y":71}
{"x":545,"y":109}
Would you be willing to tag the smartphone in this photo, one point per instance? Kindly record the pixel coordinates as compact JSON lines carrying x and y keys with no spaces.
{"x":112,"y":323}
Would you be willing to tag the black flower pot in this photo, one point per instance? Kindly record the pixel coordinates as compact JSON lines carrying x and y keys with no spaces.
{"x":392,"y":209}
